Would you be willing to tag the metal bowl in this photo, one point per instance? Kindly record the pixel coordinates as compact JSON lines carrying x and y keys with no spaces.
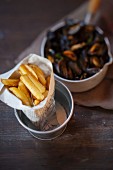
{"x":88,"y":83}
{"x":62,"y":96}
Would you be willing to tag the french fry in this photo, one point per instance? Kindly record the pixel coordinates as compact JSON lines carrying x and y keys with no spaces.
{"x":10,"y":82}
{"x":39,"y":73}
{"x":36,"y":102}
{"x":15,"y":75}
{"x":24,"y":89}
{"x":48,"y":82}
{"x":20,"y":72}
{"x":18,"y":93}
{"x":32,"y":88}
{"x":45,"y":94}
{"x":24,"y":70}
{"x":28,"y":84}
{"x":38,"y":69}
{"x":40,"y":87}
{"x":31,"y":70}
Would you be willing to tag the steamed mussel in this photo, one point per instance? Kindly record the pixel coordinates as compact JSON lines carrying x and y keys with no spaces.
{"x":77,"y":51}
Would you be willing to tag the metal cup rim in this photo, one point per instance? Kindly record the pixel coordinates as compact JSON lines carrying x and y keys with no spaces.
{"x":56,"y":129}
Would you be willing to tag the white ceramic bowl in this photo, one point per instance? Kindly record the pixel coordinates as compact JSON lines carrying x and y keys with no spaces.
{"x":88,"y":83}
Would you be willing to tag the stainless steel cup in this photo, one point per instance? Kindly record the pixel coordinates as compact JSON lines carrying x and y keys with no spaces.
{"x":64,"y":97}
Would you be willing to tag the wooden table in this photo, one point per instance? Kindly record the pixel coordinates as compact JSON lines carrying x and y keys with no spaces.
{"x":87,"y":143}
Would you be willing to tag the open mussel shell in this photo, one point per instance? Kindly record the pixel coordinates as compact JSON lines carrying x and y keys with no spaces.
{"x":93,"y":69}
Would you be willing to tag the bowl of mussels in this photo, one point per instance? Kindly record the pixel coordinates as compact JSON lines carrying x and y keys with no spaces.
{"x":80,"y":54}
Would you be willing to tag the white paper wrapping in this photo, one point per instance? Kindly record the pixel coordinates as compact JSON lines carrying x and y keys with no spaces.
{"x":45,"y":107}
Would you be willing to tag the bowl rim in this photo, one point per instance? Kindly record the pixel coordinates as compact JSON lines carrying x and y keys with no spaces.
{"x":59,"y":127}
{"x":61,"y":24}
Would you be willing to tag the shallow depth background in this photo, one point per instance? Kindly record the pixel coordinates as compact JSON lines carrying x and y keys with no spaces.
{"x":22,"y":21}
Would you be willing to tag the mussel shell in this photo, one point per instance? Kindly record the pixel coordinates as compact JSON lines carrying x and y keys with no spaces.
{"x":64,"y":43}
{"x":98,"y":49}
{"x":63,"y":69}
{"x":75,"y":67}
{"x":70,"y":22}
{"x":92,"y":71}
{"x":86,"y":62}
{"x":70,"y":55}
{"x":95,"y":61}
{"x":74,"y":29}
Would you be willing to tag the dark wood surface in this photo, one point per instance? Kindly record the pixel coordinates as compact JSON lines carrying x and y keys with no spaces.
{"x":87,"y":143}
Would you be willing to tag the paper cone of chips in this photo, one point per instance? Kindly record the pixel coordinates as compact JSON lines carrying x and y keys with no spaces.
{"x":29,"y":87}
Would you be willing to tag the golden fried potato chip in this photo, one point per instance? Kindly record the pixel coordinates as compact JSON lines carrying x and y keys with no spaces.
{"x":39,"y":73}
{"x":32,"y":88}
{"x":10,"y":82}
{"x":40,"y":87}
{"x":25,"y":90}
{"x":18,"y":93}
{"x":36,"y":102}
{"x":24,"y":70}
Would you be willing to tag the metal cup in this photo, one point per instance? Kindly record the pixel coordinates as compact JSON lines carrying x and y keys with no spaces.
{"x":64,"y":97}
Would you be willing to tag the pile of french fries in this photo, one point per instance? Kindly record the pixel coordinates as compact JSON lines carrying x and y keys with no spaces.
{"x":31,"y":87}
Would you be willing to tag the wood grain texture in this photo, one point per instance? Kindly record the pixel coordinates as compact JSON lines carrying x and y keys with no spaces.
{"x":87,"y":143}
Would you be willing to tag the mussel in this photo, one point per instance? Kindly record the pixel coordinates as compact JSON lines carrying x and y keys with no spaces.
{"x":62,"y":69}
{"x":97,"y":49}
{"x":70,"y":54}
{"x":77,"y":51}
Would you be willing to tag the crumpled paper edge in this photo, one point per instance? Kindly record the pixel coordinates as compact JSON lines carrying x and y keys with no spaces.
{"x":11,"y":100}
